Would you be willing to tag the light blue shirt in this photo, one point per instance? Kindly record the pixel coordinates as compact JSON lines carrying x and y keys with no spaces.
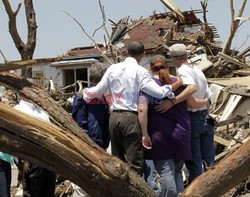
{"x":6,"y":157}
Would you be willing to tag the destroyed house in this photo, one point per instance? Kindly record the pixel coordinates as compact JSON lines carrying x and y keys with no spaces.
{"x":158,"y":32}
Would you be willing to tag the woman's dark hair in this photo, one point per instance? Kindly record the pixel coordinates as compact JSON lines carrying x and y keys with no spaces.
{"x":158,"y":64}
{"x":135,"y":48}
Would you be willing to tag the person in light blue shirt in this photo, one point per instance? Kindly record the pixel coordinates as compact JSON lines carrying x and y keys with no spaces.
{"x":5,"y":169}
{"x":5,"y":174}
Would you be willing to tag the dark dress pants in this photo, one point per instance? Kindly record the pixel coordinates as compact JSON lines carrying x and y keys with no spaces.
{"x":39,"y":182}
{"x":126,"y":139}
{"x":5,"y":178}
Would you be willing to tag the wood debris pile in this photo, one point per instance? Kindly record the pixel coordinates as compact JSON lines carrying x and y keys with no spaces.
{"x":228,"y":74}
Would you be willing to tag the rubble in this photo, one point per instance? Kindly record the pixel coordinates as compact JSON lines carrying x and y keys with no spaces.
{"x":228,"y":74}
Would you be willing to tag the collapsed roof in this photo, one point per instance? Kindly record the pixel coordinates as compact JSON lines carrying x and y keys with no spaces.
{"x":157,"y":32}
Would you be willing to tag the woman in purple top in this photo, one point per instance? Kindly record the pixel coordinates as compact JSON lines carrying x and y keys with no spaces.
{"x":166,"y":136}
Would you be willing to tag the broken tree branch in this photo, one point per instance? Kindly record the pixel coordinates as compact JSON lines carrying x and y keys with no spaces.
{"x":104,"y":20}
{"x":96,"y":45}
{"x":225,"y":175}
{"x":233,"y":60}
{"x":175,"y":10}
{"x":242,"y":53}
{"x":204,"y":8}
{"x":26,"y":51}
{"x":73,"y":84}
{"x":106,"y":31}
{"x":13,"y":26}
{"x":41,"y":99}
{"x":234,"y":24}
{"x":5,"y":60}
{"x":97,"y":172}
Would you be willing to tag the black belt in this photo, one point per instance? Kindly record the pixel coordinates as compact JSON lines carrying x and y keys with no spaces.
{"x":122,"y":111}
{"x":203,"y":112}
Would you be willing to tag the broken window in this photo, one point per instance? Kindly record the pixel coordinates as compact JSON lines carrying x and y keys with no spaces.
{"x":72,"y":75}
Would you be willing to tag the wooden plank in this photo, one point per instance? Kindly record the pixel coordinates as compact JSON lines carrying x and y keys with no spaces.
{"x":232,"y":60}
{"x":230,"y":106}
{"x":221,"y":141}
{"x":228,"y":121}
{"x":23,"y":64}
{"x":226,"y":152}
{"x":230,"y":150}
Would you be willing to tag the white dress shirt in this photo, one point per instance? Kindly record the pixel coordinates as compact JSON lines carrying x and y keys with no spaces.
{"x":124,"y":81}
{"x":192,"y":75}
{"x":32,"y":110}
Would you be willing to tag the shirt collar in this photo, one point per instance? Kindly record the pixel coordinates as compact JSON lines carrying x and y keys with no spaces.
{"x":131,"y":59}
{"x":91,"y":85}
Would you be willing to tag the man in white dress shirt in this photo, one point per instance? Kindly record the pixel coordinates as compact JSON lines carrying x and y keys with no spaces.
{"x":124,"y":81}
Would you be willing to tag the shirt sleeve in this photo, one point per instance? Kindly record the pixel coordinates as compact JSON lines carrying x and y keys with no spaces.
{"x":100,"y":88}
{"x":79,"y":113}
{"x":150,"y":87}
{"x":208,"y":93}
{"x":186,"y":76}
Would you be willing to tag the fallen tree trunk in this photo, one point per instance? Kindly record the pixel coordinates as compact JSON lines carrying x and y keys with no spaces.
{"x":67,"y":151}
{"x":228,"y":173}
{"x":97,"y":172}
{"x":43,"y":100}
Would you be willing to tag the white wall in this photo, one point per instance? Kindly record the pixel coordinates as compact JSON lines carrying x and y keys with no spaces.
{"x":49,"y":73}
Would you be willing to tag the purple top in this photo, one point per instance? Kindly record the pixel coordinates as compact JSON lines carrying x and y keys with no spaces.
{"x":170,"y":132}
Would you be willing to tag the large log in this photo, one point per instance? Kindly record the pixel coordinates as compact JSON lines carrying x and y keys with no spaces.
{"x":227,"y":174}
{"x":43,"y":100}
{"x":97,"y":172}
{"x":66,"y":150}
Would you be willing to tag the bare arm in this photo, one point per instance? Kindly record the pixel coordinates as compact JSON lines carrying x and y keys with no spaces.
{"x":185,"y":94}
{"x":143,"y":121}
{"x":195,"y":103}
{"x":150,"y":87}
{"x":177,"y":84}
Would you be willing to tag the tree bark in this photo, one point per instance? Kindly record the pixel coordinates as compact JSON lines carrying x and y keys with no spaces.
{"x":228,"y":173}
{"x":234,"y":25}
{"x":25,"y":50}
{"x":43,"y":100}
{"x":204,"y":8}
{"x":97,"y":172}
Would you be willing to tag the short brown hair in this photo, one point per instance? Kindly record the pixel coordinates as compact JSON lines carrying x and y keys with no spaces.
{"x":97,"y":71}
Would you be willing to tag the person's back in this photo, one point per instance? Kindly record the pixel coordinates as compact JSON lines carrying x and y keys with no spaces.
{"x":200,"y":81}
{"x":125,"y":81}
{"x":93,"y":116}
{"x":169,"y":131}
{"x":166,"y":136}
{"x":201,"y":127}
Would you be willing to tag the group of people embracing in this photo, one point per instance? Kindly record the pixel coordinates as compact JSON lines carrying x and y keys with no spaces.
{"x":159,"y":123}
